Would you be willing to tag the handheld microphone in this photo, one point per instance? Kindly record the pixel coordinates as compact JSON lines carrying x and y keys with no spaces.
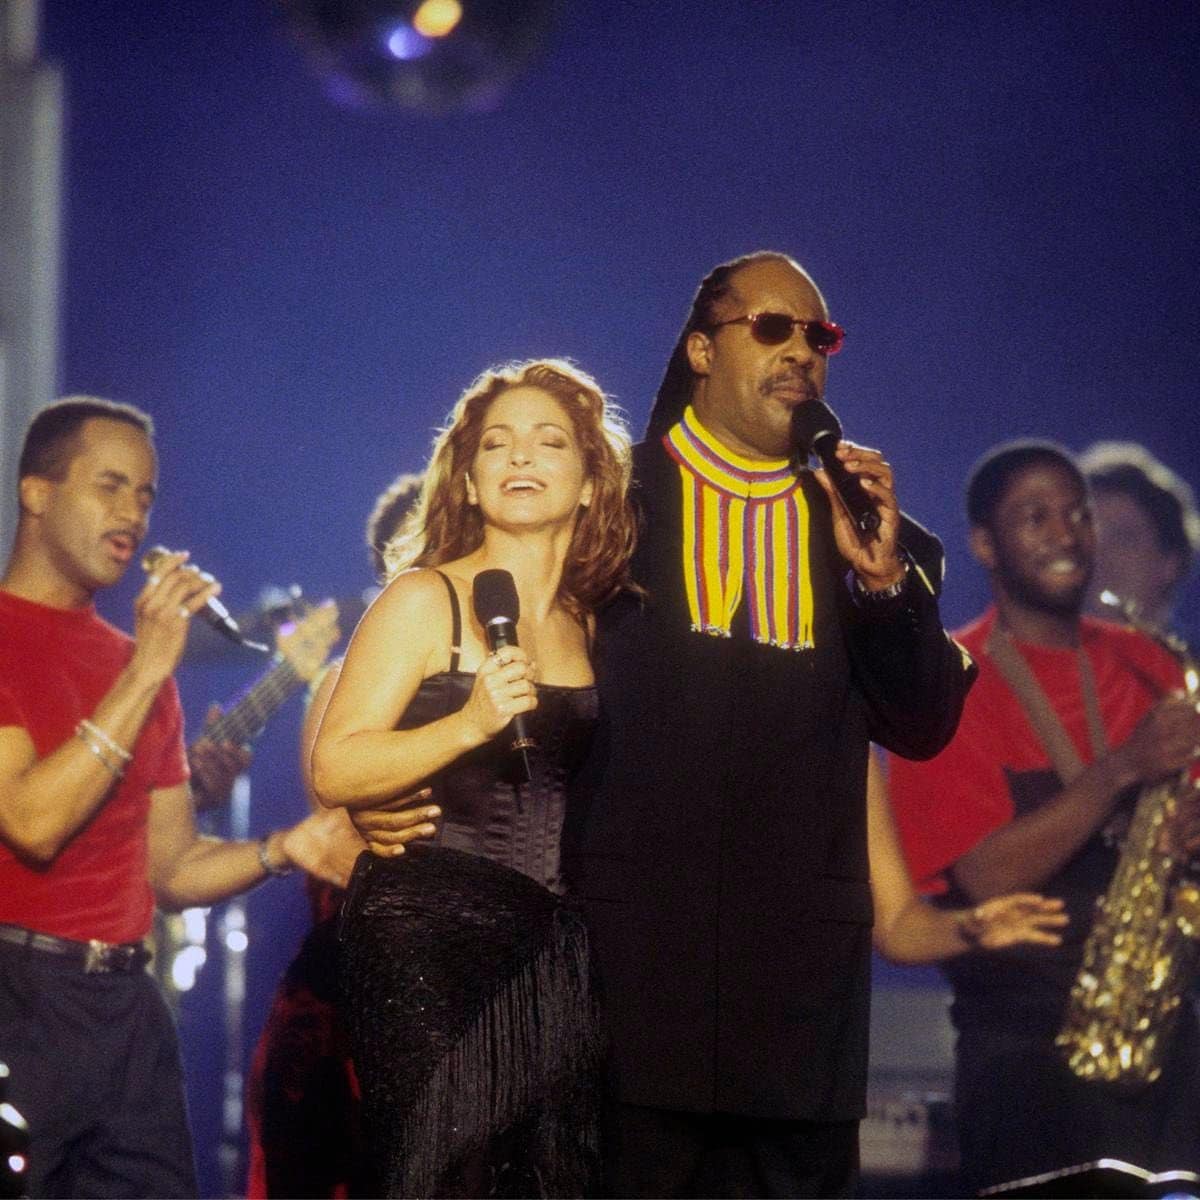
{"x":214,"y":612}
{"x":497,"y":609}
{"x":816,"y":430}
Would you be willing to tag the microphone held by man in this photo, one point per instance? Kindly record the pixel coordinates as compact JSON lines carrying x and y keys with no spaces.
{"x":213,"y":612}
{"x":817,"y":431}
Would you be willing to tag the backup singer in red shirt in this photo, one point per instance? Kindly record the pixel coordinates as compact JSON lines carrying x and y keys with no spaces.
{"x":96,"y":820}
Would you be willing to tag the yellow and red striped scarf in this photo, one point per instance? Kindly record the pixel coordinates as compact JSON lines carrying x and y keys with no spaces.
{"x":745,"y":534}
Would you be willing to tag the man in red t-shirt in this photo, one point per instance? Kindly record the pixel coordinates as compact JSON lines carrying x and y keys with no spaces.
{"x":1022,"y":800}
{"x":96,"y":820}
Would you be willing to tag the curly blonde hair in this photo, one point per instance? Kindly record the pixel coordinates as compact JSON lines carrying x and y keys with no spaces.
{"x":443,"y":526}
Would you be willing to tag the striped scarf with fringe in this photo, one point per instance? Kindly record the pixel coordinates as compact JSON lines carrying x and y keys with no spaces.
{"x":745,"y":539}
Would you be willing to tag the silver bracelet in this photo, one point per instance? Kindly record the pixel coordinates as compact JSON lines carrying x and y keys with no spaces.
{"x":267,"y":865}
{"x":101,"y":736}
{"x":114,"y":769}
{"x":970,"y":924}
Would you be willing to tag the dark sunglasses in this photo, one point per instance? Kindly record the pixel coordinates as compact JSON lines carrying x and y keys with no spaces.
{"x":773,"y":329}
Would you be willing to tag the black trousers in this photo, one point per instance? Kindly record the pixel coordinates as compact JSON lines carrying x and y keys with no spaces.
{"x":94,"y":1069}
{"x":661,"y":1152}
{"x":1020,"y":1111}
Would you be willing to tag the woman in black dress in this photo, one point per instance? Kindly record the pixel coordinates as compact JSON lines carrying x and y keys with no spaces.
{"x":465,"y":970}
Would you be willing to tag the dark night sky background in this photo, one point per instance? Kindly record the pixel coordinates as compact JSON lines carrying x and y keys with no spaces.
{"x":998,"y":200}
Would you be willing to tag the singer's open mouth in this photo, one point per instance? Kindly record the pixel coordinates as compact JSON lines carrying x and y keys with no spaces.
{"x":122,"y":545}
{"x":1064,"y":568}
{"x":521,"y":484}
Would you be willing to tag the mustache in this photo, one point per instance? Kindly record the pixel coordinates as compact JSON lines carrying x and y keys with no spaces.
{"x":126,"y":531}
{"x":790,"y":381}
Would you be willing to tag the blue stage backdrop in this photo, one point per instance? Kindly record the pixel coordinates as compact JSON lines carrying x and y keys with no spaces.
{"x":997,"y":198}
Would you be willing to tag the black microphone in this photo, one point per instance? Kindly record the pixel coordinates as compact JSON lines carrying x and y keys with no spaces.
{"x":816,"y":430}
{"x":214,"y":612}
{"x":497,"y":609}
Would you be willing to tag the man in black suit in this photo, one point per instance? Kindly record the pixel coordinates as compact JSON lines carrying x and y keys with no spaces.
{"x":723,"y":854}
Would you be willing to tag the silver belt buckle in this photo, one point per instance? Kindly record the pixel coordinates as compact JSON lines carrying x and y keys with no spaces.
{"x":99,"y":958}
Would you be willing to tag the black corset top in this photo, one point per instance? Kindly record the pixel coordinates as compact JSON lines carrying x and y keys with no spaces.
{"x":482,"y":811}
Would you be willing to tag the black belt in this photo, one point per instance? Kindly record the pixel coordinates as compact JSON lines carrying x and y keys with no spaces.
{"x":94,"y":957}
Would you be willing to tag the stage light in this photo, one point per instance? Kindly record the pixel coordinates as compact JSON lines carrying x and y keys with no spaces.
{"x":185,"y":966}
{"x":424,"y":55}
{"x":405,"y":43}
{"x":237,"y":941}
{"x":14,"y":1143}
{"x":437,"y":18}
{"x":195,"y":925}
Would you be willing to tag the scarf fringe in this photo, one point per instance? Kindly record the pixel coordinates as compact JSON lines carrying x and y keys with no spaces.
{"x":529,"y":1063}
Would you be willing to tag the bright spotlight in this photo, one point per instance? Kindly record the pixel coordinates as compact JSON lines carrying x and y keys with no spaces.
{"x":236,"y":940}
{"x":433,"y":56}
{"x":437,"y":18}
{"x":404,"y":43}
{"x":185,"y":966}
{"x":195,"y":925}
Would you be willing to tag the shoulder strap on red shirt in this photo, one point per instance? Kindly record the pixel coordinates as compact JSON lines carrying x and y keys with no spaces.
{"x":1051,"y":732}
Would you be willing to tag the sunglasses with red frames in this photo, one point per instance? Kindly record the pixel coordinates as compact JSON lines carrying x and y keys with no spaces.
{"x":773,"y":329}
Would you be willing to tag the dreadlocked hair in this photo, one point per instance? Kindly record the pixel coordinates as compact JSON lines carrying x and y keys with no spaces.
{"x":675,"y":390}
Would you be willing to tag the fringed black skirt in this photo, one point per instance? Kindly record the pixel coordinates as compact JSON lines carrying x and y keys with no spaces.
{"x":469,"y":999}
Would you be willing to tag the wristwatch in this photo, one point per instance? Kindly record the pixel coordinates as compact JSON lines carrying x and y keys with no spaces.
{"x":890,"y":592}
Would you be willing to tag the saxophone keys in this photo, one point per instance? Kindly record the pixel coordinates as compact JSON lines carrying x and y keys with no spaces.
{"x":1186,"y":909}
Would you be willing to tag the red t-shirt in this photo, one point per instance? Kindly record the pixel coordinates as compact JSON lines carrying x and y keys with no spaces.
{"x":947,"y":805}
{"x":55,"y":666}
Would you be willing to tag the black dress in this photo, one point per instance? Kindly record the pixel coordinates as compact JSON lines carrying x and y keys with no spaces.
{"x":466,"y":975}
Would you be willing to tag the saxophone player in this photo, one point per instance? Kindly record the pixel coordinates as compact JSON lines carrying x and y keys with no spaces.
{"x":1147,"y":533}
{"x":1070,"y":718}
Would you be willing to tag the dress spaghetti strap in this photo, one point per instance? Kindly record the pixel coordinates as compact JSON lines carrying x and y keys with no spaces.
{"x":456,"y":621}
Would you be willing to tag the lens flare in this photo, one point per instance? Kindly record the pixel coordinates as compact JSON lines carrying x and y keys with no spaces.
{"x":437,"y":18}
{"x":405,"y":43}
{"x":185,"y":966}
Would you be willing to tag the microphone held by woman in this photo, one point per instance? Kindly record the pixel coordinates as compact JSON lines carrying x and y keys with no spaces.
{"x":498,"y":608}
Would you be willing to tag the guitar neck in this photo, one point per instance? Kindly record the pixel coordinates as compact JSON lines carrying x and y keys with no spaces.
{"x":244,"y":720}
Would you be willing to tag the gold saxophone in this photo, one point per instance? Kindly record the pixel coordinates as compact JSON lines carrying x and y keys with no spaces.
{"x":1143,"y":947}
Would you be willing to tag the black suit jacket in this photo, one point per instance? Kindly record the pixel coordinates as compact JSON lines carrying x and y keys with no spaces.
{"x":721,"y":848}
